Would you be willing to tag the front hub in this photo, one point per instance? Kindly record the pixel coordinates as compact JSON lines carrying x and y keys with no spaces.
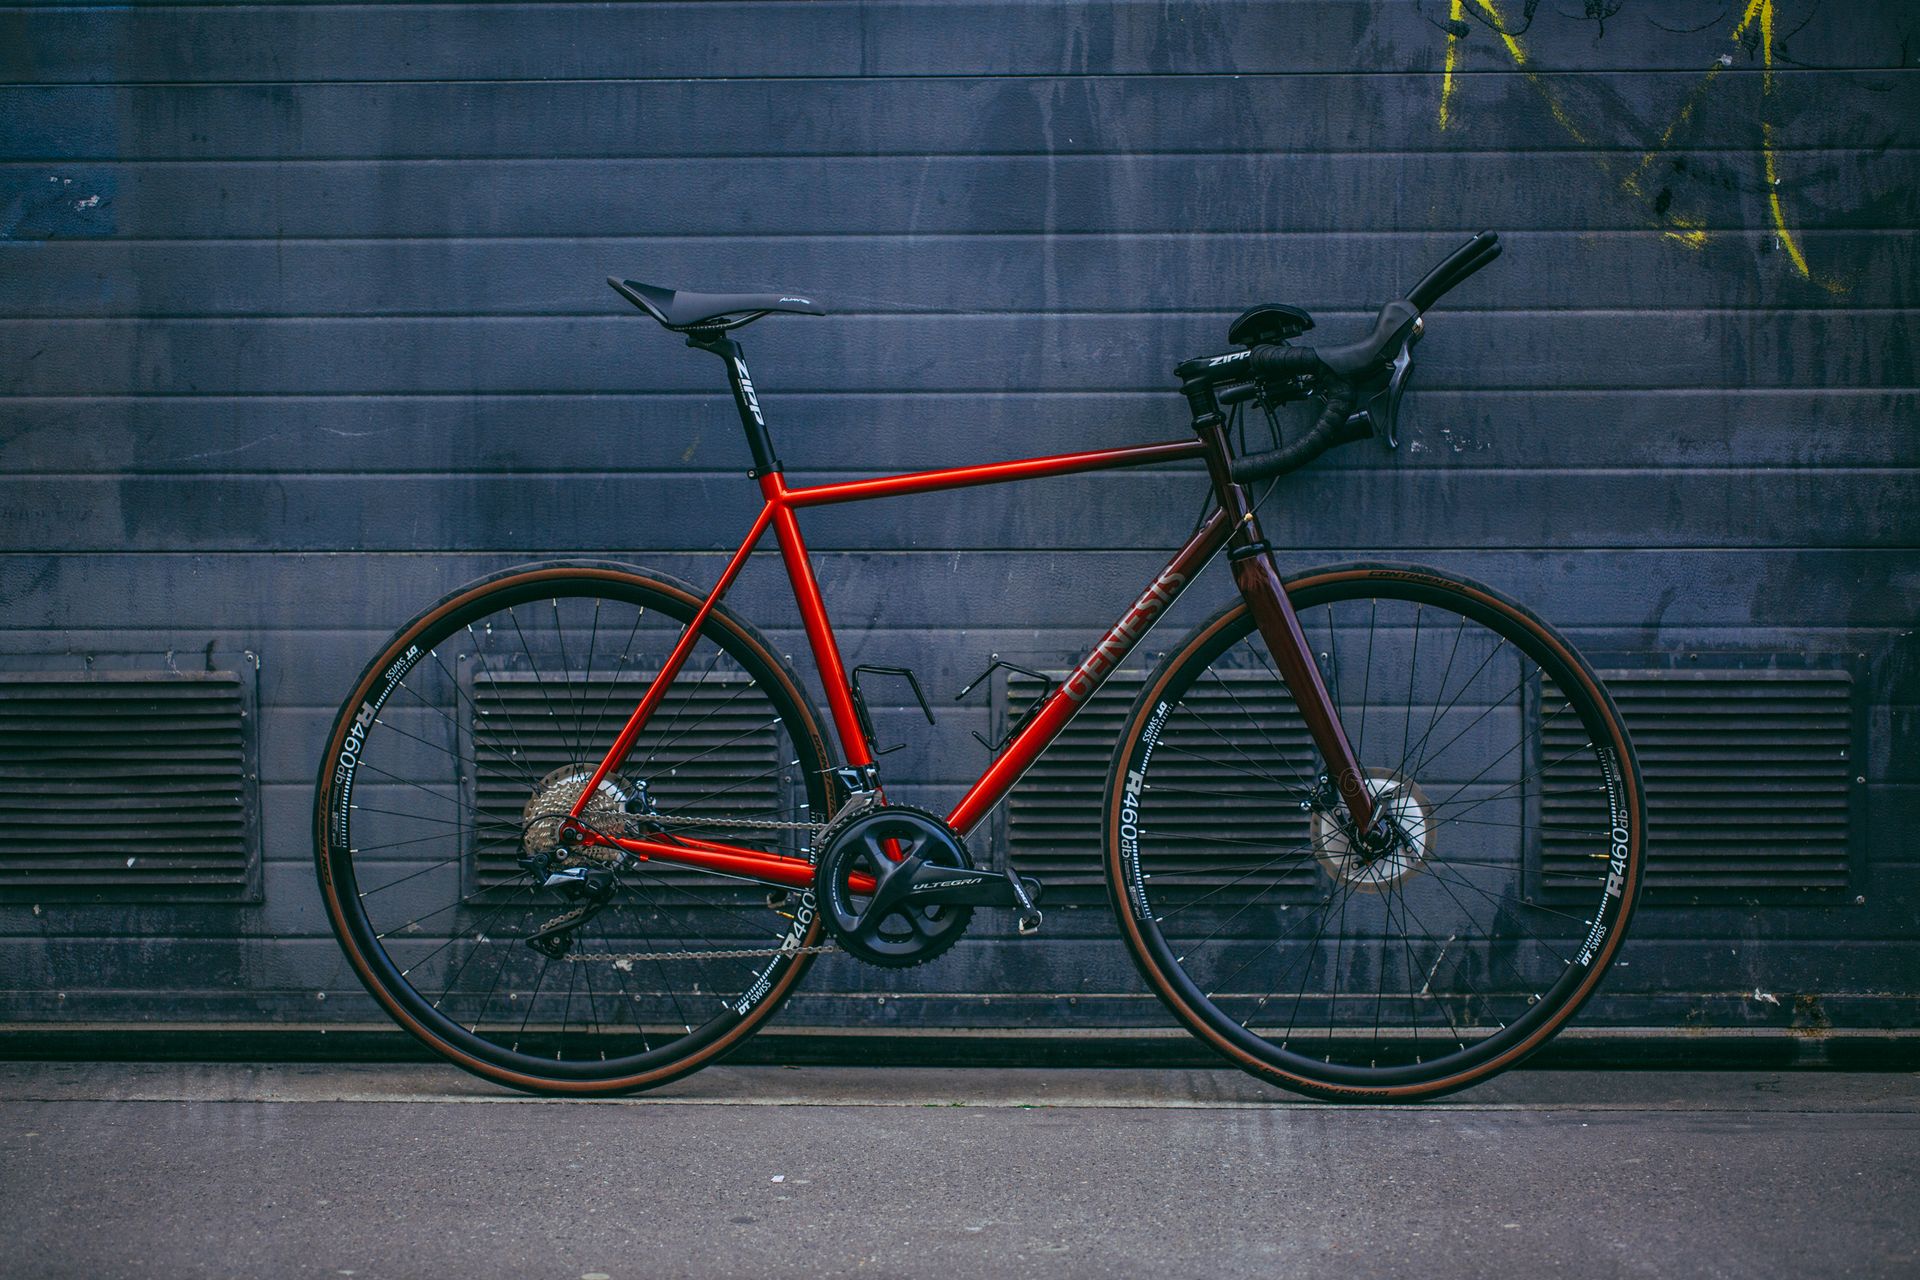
{"x":1397,"y":847}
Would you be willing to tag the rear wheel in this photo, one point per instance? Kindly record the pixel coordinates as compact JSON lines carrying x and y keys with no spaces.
{"x":1377,"y":969}
{"x":439,"y":799}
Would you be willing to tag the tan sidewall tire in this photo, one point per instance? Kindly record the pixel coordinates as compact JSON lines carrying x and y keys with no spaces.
{"x":1142,"y":950}
{"x":689,"y":599}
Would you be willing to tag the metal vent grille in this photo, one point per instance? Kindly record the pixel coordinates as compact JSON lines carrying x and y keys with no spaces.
{"x":725,"y":749}
{"x":126,"y":785}
{"x":1220,"y":815}
{"x":1748,"y":779}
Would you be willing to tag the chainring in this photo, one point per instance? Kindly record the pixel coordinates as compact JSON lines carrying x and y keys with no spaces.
{"x":883,"y":927}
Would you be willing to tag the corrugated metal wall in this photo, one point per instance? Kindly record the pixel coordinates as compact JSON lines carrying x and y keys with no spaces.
{"x":302,"y":324}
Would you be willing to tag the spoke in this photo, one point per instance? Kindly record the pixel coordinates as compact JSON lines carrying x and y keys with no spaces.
{"x":480,"y":937}
{"x":1434,"y":972}
{"x":566,"y":1012}
{"x":506,"y":954}
{"x":1291,"y":855}
{"x":1464,"y":883}
{"x":718,"y":653}
{"x":742,"y":687}
{"x":1408,"y":748}
{"x":539,"y":981}
{"x":630,"y":1001}
{"x":559,"y":634}
{"x":533,"y":669}
{"x":526,"y":762}
{"x":747,"y":732}
{"x":625,"y":659}
{"x":1252,"y":719}
{"x":1366,"y":681}
{"x":1510,"y":786}
{"x":1414,"y":968}
{"x":1499,"y":704}
{"x":1180,"y":750}
{"x":580,"y":724}
{"x":457,"y":902}
{"x":1312,"y":951}
{"x":1195,"y":835}
{"x":367,"y":893}
{"x":652,"y":949}
{"x":370,"y":766}
{"x":1441,"y":714}
{"x":1413,"y":671}
{"x":439,"y":822}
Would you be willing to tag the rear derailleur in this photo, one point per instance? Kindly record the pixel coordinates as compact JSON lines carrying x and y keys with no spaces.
{"x":590,"y":888}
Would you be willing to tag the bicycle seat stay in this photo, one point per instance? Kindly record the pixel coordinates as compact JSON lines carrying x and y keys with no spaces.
{"x":682,"y":310}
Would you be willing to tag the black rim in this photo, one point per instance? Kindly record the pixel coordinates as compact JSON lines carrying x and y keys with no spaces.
{"x":1376,"y":966}
{"x":504,"y":698}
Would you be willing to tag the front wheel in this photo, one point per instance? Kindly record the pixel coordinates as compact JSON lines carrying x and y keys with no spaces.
{"x":1335,"y":966}
{"x":449,"y":771}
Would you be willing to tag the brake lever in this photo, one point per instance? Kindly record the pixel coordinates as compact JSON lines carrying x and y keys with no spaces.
{"x":1384,"y":406}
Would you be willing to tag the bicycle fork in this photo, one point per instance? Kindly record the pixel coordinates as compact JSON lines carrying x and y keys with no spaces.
{"x":1261,"y":587}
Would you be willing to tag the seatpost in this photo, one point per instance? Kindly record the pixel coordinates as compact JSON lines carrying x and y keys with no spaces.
{"x":1266,"y":595}
{"x":759,"y":443}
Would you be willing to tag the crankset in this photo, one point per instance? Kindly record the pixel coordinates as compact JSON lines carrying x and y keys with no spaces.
{"x":917,"y":886}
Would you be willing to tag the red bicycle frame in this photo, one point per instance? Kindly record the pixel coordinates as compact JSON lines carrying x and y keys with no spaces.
{"x":1232,"y":524}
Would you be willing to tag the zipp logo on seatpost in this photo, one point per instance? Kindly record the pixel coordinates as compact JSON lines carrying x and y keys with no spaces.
{"x":746,"y":389}
{"x":1125,"y":634}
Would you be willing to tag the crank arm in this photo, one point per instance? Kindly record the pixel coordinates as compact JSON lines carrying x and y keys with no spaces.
{"x":970,"y":887}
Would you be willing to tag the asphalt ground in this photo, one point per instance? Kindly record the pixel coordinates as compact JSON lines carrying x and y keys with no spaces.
{"x":401,"y":1171}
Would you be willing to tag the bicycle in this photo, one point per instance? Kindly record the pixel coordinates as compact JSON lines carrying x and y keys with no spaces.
{"x":578,"y":827}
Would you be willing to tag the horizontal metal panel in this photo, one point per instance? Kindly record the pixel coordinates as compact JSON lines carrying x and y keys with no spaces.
{"x":915,"y":591}
{"x":1053,"y":817}
{"x":1749,"y":783}
{"x":908,"y":274}
{"x":952,"y":353}
{"x":295,"y":42}
{"x":1391,"y":506}
{"x":1861,"y":188}
{"x":1535,"y":428}
{"x":725,"y":752}
{"x":1060,"y":115}
{"x":126,"y":786}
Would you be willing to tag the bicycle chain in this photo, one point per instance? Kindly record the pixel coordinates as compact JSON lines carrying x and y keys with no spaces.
{"x":813,"y":829}
{"x":743,"y":953}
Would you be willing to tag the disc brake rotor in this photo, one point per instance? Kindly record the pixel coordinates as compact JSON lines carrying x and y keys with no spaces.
{"x":1404,"y":812}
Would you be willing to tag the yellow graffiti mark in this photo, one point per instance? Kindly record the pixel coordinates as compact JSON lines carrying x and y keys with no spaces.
{"x":1519,"y":56}
{"x":1681,"y":228}
{"x":1763,"y":10}
{"x":1455,"y":17}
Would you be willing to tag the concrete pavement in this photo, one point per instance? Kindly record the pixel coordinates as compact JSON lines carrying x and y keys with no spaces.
{"x":403,"y":1171}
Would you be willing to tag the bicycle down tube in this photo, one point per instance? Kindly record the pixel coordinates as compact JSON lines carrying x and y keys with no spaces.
{"x":1253,"y":573}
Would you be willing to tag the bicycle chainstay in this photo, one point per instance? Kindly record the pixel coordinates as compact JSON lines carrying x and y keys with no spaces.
{"x":813,"y":830}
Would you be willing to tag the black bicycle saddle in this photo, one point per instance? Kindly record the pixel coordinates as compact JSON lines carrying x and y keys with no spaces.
{"x":680,"y":309}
